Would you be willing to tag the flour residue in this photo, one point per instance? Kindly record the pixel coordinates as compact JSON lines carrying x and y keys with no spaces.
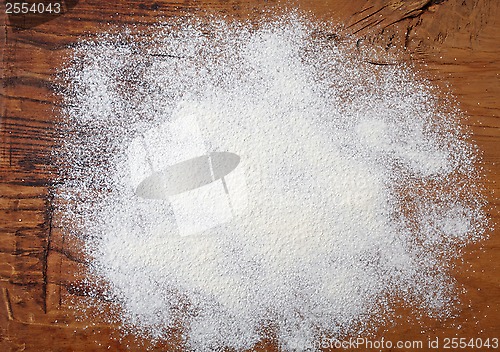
{"x":361,"y":187}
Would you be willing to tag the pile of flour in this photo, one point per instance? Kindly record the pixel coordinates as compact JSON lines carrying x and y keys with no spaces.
{"x":362,"y":187}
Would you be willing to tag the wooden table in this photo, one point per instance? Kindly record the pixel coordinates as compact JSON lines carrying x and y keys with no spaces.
{"x":453,"y":42}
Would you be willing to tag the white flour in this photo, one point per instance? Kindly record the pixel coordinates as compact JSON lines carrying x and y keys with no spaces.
{"x":361,"y":188}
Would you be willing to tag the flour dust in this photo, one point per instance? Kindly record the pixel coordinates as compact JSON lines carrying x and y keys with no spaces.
{"x":361,"y":185}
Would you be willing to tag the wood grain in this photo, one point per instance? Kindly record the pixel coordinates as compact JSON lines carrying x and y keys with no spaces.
{"x":455,"y":43}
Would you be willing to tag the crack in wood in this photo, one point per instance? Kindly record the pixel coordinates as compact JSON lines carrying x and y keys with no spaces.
{"x":8,"y":304}
{"x":49,"y":216}
{"x":380,"y":63}
{"x":366,"y":17}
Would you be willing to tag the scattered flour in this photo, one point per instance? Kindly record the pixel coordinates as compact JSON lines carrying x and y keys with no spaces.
{"x":361,"y":189}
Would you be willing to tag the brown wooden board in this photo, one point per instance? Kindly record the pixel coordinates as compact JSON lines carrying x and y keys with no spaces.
{"x":453,"y":42}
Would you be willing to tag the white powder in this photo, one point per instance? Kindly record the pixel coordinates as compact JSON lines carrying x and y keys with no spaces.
{"x":360,"y":187}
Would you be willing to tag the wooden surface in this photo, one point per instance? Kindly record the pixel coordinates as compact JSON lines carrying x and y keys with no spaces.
{"x":453,"y":42}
